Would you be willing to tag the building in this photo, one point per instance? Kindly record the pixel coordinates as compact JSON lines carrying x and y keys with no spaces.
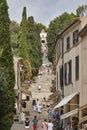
{"x":71,"y":71}
{"x":22,"y":96}
{"x":83,"y":106}
{"x":43,"y":36}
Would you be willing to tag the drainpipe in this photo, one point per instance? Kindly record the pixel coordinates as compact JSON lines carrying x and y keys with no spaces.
{"x":63,"y":68}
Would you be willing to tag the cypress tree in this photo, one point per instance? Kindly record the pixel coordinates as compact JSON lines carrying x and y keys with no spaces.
{"x":7,"y":77}
{"x":35,"y":54}
{"x":23,"y":42}
{"x":23,"y":36}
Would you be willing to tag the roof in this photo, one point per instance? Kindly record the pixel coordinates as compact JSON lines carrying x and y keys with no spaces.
{"x":65,"y":100}
{"x":76,"y":20}
{"x":83,"y":31}
{"x":60,"y":34}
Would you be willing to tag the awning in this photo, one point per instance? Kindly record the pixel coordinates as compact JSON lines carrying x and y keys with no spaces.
{"x":68,"y":114}
{"x":65,"y":100}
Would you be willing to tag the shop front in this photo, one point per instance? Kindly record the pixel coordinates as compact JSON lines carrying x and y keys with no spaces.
{"x":70,"y":114}
{"x":83,"y":116}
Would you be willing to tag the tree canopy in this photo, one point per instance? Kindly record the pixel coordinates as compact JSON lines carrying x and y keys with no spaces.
{"x":35,"y":54}
{"x":14,"y":29}
{"x":23,"y":36}
{"x":81,"y":10}
{"x":55,"y":27}
{"x":7,"y":77}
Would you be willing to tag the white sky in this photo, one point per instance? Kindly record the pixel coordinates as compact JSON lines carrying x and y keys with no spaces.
{"x":43,"y":11}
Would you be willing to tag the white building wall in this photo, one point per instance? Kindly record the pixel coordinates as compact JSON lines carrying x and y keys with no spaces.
{"x":84,"y":72}
{"x":70,"y":55}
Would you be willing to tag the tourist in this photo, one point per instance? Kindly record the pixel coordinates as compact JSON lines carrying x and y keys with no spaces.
{"x":35,"y":121}
{"x":27,"y":124}
{"x":39,"y":88}
{"x":34,"y":105}
{"x":50,"y":113}
{"x":39,"y":108}
{"x":44,"y":102}
{"x":50,"y":125}
{"x":48,"y":103}
{"x":45,"y":125}
{"x":37,"y":103}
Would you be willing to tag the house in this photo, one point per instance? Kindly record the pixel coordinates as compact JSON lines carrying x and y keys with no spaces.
{"x":83,"y":105}
{"x":71,"y":71}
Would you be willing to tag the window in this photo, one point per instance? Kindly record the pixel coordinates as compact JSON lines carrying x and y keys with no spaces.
{"x":75,"y":37}
{"x":70,"y":71}
{"x":61,"y":76}
{"x":77,"y":68}
{"x":65,"y":73}
{"x":68,"y":42}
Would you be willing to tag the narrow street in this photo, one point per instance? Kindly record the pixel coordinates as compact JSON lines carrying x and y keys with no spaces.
{"x":44,"y":79}
{"x":45,"y":82}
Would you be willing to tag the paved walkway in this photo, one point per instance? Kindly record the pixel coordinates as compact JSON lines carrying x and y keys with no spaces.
{"x":45,"y":82}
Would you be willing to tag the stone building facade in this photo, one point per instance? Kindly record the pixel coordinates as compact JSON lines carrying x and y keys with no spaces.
{"x":71,"y":72}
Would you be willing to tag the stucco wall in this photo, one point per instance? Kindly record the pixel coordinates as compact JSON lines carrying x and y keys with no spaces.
{"x":84,"y":71}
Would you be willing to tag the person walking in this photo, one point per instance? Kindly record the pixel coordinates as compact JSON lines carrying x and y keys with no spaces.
{"x":50,"y":125}
{"x":27,"y":124}
{"x":34,"y":105}
{"x":35,"y":121}
{"x":44,"y":102}
{"x":37,"y":103}
{"x":45,"y":125}
{"x":39,"y":88}
{"x":50,"y":113}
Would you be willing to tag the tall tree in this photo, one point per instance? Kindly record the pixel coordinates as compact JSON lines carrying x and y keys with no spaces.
{"x":23,"y":36}
{"x":14,"y":28}
{"x":7,"y":78}
{"x":55,"y":27}
{"x":81,"y":10}
{"x":35,"y":54}
{"x":23,"y":43}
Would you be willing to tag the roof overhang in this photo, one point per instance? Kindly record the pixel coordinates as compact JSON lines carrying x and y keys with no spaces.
{"x":83,"y":32}
{"x":66,"y":100}
{"x":68,"y":114}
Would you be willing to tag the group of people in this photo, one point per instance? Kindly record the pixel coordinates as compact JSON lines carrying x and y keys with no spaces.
{"x":37,"y":106}
{"x":27,"y":123}
{"x":45,"y":125}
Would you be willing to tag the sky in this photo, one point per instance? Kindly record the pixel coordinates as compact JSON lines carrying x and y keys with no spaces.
{"x":43,"y":11}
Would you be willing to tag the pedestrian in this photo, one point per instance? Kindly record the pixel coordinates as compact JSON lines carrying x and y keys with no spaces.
{"x":27,"y":124}
{"x":39,"y":111}
{"x":35,"y":121}
{"x":50,"y":113}
{"x":34,"y":105}
{"x":50,"y":125}
{"x":48,"y":103}
{"x":22,"y":116}
{"x":39,"y":108}
{"x":45,"y":125}
{"x":37,"y":103}
{"x":39,"y":88}
{"x":44,"y":102}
